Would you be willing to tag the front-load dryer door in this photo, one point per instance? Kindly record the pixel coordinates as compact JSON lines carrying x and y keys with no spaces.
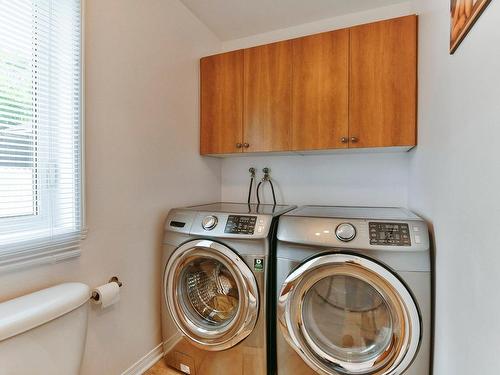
{"x":211,"y":294}
{"x":345,"y":314}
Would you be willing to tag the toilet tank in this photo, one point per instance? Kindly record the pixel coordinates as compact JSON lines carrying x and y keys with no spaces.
{"x":44,"y":332}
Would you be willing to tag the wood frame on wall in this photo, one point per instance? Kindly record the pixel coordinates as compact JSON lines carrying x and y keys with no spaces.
{"x":463,"y":16}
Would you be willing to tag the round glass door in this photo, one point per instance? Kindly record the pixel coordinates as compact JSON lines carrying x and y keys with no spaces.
{"x":347,"y":318}
{"x":345,"y":314}
{"x":211,"y":294}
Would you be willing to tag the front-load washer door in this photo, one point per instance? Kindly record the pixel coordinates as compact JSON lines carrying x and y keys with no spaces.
{"x":211,"y":294}
{"x":345,"y":314}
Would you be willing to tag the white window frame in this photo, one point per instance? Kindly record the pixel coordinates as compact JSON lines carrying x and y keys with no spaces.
{"x":21,"y":254}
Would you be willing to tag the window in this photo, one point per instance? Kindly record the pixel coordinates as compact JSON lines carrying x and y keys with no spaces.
{"x":41,"y":216}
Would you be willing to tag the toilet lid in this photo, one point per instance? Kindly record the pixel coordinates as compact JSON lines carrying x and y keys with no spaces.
{"x":23,"y":313}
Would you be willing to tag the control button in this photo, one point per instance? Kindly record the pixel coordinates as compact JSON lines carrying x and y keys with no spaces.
{"x":261,"y":221}
{"x":209,"y":222}
{"x":345,"y":232}
{"x":418,"y":240}
{"x":260,"y":229}
{"x":416,"y":229}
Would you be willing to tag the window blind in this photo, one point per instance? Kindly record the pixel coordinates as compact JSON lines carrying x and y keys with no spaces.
{"x":40,"y":131}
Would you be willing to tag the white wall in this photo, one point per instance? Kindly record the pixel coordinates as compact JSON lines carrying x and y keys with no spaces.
{"x":455,"y":184}
{"x":339,"y":179}
{"x":342,"y":178}
{"x":142,"y":159}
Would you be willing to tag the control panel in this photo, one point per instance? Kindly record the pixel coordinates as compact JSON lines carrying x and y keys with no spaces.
{"x":237,"y":224}
{"x":389,"y":234}
{"x":219,"y":224}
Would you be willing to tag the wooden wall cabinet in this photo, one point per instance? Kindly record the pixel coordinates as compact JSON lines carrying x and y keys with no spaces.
{"x":349,"y":88}
{"x":321,"y":91}
{"x":383,"y":83}
{"x":267,"y":112}
{"x":221,"y":103}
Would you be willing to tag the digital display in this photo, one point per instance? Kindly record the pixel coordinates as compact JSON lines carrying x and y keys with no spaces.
{"x":240,"y":224}
{"x":389,"y":234}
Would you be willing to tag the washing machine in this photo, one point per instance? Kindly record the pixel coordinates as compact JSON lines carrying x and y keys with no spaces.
{"x":217,"y":270}
{"x":354,"y":292}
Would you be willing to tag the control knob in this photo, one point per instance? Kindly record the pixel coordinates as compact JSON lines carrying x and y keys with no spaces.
{"x":209,"y":222}
{"x":345,"y":232}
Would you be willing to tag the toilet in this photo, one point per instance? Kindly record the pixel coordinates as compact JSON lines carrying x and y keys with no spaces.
{"x":44,"y":332}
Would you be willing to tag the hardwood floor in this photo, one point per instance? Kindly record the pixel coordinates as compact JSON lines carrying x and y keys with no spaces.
{"x":160,"y":368}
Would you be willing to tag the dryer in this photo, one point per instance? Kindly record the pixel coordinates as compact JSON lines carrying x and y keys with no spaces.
{"x":354,"y":292}
{"x":216,"y":272}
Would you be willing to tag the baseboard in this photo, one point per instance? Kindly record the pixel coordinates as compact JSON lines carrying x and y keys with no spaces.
{"x":145,"y":362}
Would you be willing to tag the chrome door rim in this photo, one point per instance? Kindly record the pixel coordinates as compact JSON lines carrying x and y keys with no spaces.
{"x":242,"y":324}
{"x":394,"y":292}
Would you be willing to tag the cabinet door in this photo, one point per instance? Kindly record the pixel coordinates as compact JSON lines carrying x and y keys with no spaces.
{"x":383,"y":79}
{"x":267,"y":108}
{"x":221,"y":103}
{"x":321,"y":91}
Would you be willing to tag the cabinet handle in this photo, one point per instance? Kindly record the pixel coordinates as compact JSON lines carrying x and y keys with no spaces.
{"x":354,"y":139}
{"x":246,"y":145}
{"x":344,"y":139}
{"x":238,"y":145}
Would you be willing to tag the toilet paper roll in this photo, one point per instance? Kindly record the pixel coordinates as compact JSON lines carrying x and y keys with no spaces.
{"x":107,"y":294}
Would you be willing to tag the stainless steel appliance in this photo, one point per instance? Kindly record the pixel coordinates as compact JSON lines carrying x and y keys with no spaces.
{"x":216,"y":261}
{"x":354,"y":292}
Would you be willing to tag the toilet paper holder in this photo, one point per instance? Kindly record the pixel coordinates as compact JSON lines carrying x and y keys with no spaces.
{"x":114,"y":279}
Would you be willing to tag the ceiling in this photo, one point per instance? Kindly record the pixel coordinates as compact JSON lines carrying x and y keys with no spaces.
{"x":233,"y":19}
